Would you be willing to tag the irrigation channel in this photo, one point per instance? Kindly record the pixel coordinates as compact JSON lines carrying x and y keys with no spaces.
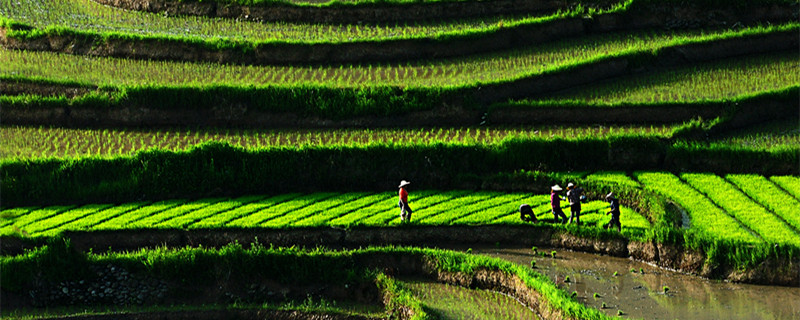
{"x":638,"y":289}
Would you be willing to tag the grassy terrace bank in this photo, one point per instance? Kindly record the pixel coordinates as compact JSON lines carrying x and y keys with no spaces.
{"x":346,"y":11}
{"x":757,"y":87}
{"x":186,"y":40}
{"x":31,"y":142}
{"x":216,"y":169}
{"x":274,"y":269}
{"x":26,"y":142}
{"x":470,"y":71}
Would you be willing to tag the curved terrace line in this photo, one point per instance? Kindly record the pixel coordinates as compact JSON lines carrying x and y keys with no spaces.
{"x":665,"y":255}
{"x":260,"y":52}
{"x":342,"y":12}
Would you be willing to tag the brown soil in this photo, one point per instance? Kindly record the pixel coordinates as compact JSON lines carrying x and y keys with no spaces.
{"x":784,"y":272}
{"x":376,"y":13}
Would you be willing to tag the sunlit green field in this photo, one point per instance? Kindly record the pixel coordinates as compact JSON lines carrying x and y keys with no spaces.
{"x":22,"y":142}
{"x":91,"y":16}
{"x":765,"y":72}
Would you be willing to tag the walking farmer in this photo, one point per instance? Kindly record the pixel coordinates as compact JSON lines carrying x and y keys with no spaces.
{"x":555,"y":204}
{"x":405,"y":210}
{"x":574,"y":197}
{"x":614,"y":212}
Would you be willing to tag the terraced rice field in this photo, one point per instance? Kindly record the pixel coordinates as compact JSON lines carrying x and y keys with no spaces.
{"x":312,"y":119}
{"x":25,"y":142}
{"x":299,"y":210}
{"x":743,"y":208}
{"x":721,"y":210}
{"x":762,"y":73}
{"x":713,"y":81}
{"x":95,"y":17}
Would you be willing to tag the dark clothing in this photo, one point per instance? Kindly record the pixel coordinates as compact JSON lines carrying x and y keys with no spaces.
{"x":614,"y":215}
{"x":526,"y":213}
{"x":574,"y":197}
{"x":555,"y":200}
{"x":558,"y":213}
{"x":614,"y":222}
{"x":614,"y":205}
{"x":555,"y":205}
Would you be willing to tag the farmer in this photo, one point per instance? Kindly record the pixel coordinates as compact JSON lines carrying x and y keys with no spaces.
{"x":614,"y":206}
{"x":555,"y":204}
{"x":526,"y":213}
{"x":405,"y":210}
{"x":574,"y":198}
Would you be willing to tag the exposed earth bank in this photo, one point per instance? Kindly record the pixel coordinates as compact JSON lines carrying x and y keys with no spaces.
{"x":783,"y":271}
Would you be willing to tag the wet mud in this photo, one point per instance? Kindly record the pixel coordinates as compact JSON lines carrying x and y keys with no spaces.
{"x":641,"y":290}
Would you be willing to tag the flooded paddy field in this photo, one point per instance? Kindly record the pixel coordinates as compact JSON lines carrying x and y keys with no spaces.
{"x":640,"y":290}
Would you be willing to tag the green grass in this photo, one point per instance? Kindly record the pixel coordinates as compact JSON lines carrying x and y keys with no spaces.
{"x":316,"y":209}
{"x":87,"y":15}
{"x":453,"y":302}
{"x":471,"y":70}
{"x":775,"y":135}
{"x":790,"y":184}
{"x":764,"y":192}
{"x":25,"y":142}
{"x":708,"y":219}
{"x":770,"y":227}
{"x":717,"y":80}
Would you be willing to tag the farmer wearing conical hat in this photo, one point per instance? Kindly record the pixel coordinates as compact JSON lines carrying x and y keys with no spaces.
{"x":555,"y":204}
{"x":614,"y":206}
{"x":405,"y":210}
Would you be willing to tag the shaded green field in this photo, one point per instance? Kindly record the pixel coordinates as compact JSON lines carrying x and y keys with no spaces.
{"x":21,"y":142}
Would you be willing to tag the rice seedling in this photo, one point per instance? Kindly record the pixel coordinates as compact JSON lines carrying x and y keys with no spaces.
{"x":453,"y":72}
{"x":769,"y":195}
{"x":706,"y":217}
{"x":721,"y":79}
{"x":771,"y":228}
{"x":790,"y":184}
{"x":23,"y":142}
{"x":282,"y":211}
{"x":87,"y":15}
{"x":452,"y":302}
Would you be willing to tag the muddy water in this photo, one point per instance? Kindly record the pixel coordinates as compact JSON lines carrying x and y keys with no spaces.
{"x":458,"y":303}
{"x":641,"y":294}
